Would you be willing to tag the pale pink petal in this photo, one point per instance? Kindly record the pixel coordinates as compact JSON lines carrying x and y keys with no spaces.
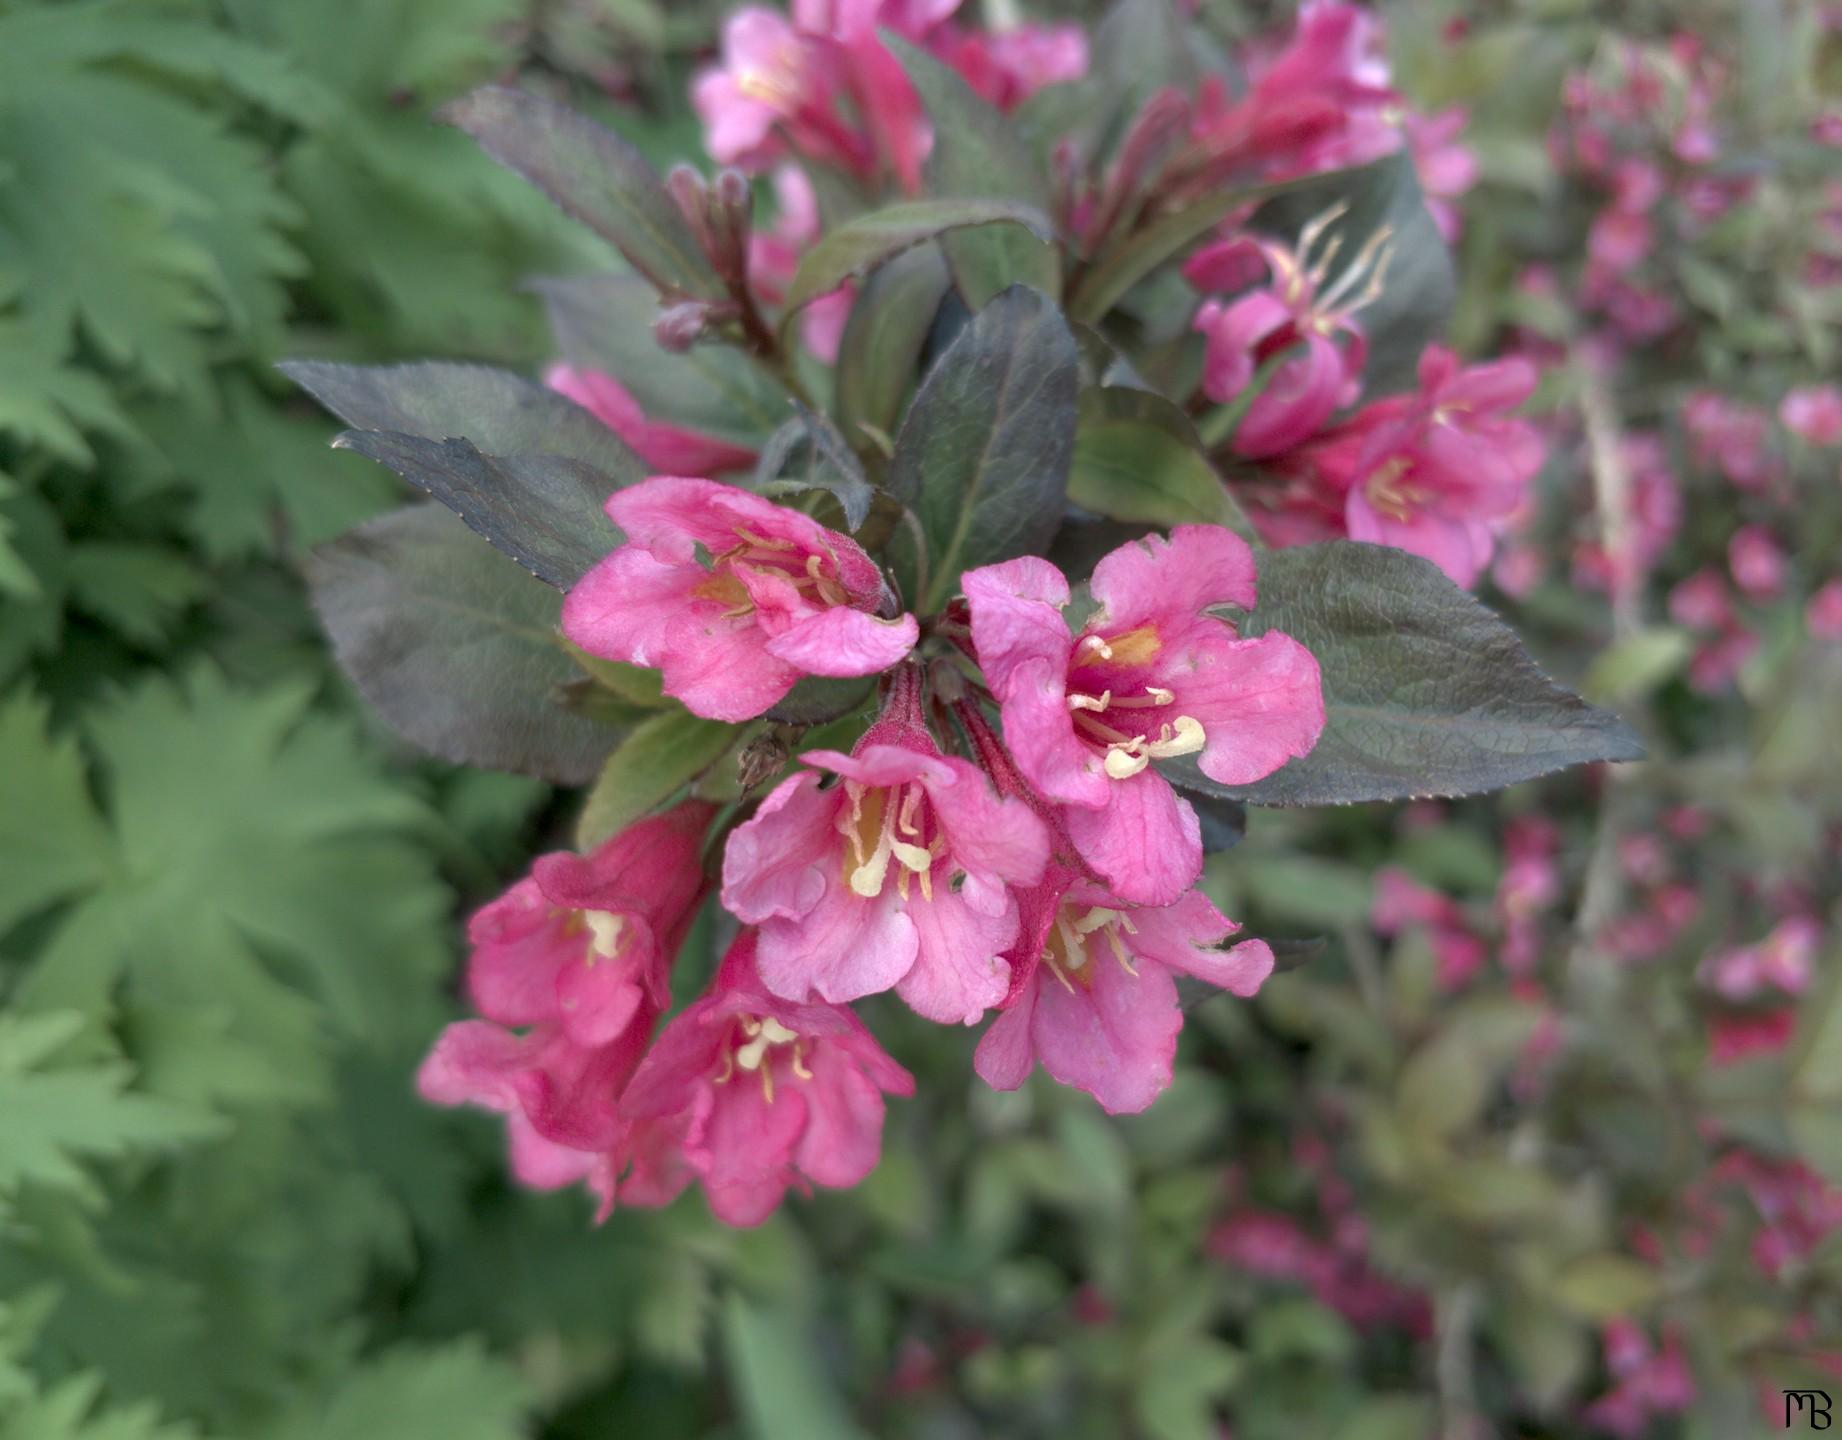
{"x":774,"y":865}
{"x":845,"y":642}
{"x":1041,"y":737}
{"x":846,"y":948}
{"x":625,"y":606}
{"x":1017,"y":617}
{"x":988,"y":835}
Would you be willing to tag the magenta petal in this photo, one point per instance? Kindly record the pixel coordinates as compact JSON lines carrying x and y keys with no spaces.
{"x":1146,"y":844}
{"x":625,"y":607}
{"x":957,"y":973}
{"x":745,"y":1153}
{"x":542,"y":1164}
{"x":1017,"y":618}
{"x":1261,"y":703}
{"x":598,"y":997}
{"x":988,"y":834}
{"x":720,"y":668}
{"x":1172,"y":580}
{"x":1240,"y":970}
{"x":844,"y":1121}
{"x":774,"y":866}
{"x":1114,"y":1036}
{"x":847,"y":948}
{"x":845,"y":642}
{"x":1041,"y":738}
{"x":473,"y":1063}
{"x":1449,"y":544}
{"x":519,"y":945}
{"x":1006,"y":1051}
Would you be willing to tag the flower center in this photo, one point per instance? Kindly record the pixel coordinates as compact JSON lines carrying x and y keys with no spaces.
{"x":1324,"y":310}
{"x":1068,"y":950}
{"x":1128,"y":744}
{"x":1390,"y":492}
{"x":605,"y":933}
{"x":884,"y":824}
{"x":757,"y":1039}
{"x":764,"y":555}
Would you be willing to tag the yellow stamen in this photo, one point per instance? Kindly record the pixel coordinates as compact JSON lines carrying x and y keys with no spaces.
{"x":605,"y":927}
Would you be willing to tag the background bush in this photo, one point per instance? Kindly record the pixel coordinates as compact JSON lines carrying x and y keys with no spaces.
{"x":228,"y":901}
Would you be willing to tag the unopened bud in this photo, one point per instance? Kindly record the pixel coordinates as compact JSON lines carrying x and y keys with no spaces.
{"x":689,"y":192}
{"x":760,"y":761}
{"x":678,"y":327}
{"x":732,"y":204}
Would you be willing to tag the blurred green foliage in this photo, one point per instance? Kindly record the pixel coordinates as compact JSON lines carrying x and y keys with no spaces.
{"x":228,"y":901}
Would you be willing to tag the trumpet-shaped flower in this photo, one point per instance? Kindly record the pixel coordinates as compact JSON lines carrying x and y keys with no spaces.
{"x":1151,"y":676}
{"x":772,"y":596}
{"x":748,"y":1094}
{"x":897,"y":878}
{"x":1096,"y":999}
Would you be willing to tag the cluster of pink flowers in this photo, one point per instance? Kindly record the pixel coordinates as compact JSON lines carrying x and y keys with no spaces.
{"x":1336,"y":1266}
{"x":821,"y":84}
{"x":1647,"y":1382}
{"x":1046,"y":872}
{"x":1528,"y":887}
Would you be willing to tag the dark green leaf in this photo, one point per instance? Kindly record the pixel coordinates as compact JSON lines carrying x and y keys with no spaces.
{"x":1137,"y":458}
{"x":858,"y":246}
{"x":823,"y":461}
{"x":784,"y":1391}
{"x":501,"y":413}
{"x":978,"y":152}
{"x":604,"y":322}
{"x":594,"y":176}
{"x":544,"y":511}
{"x":521,"y":465}
{"x":1117,"y":272}
{"x":883,"y":340}
{"x":1426,"y":692}
{"x":659,"y":756}
{"x":983,"y":456}
{"x":1419,"y":287}
{"x":454,"y":645}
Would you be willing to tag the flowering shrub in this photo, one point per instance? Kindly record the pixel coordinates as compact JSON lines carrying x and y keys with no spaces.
{"x":1046,"y":522}
{"x":881,"y":577}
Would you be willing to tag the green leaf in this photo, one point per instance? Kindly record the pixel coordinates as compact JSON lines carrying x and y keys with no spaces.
{"x":983,"y":457}
{"x":883,"y":342}
{"x":660,"y":756}
{"x":1446,"y":1082}
{"x":1179,"y":1385}
{"x":1136,"y":458}
{"x":1606,"y":1286}
{"x":531,"y":474}
{"x":1419,"y":289}
{"x":1426,"y":692}
{"x":61,"y":1114}
{"x":784,"y":1393}
{"x":69,"y":1411}
{"x":604,"y":322}
{"x":455,"y":1391}
{"x":139,"y":590}
{"x":1636,"y":665}
{"x":855,"y":248}
{"x":594,"y":176}
{"x":51,"y":843}
{"x":454,"y":645}
{"x":977,"y":152}
{"x":829,"y":465}
{"x":1115,"y":273}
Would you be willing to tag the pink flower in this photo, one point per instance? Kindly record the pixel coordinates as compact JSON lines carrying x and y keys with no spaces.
{"x":895,"y":879}
{"x":1823,"y":616}
{"x":749,"y":1094}
{"x":1447,"y":169}
{"x":584,"y":941}
{"x":664,"y":447}
{"x":1097,"y":997}
{"x":774,"y":256}
{"x":1289,"y":312}
{"x":1333,"y":66}
{"x":1437,"y":473}
{"x":1700,"y":601}
{"x":1757,"y":562}
{"x":1402,"y":902}
{"x":579,"y":951}
{"x":1814,"y":414}
{"x":1731,"y":436}
{"x":1006,"y":67}
{"x":1150,"y":676}
{"x":781,"y":597}
{"x":1736,"y":1037}
{"x":770,"y":76}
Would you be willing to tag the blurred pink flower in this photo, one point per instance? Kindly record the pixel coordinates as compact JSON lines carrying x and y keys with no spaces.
{"x":1823,"y":616}
{"x":666,"y":448}
{"x":1814,"y":414}
{"x":1757,"y":562}
{"x":1006,"y":67}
